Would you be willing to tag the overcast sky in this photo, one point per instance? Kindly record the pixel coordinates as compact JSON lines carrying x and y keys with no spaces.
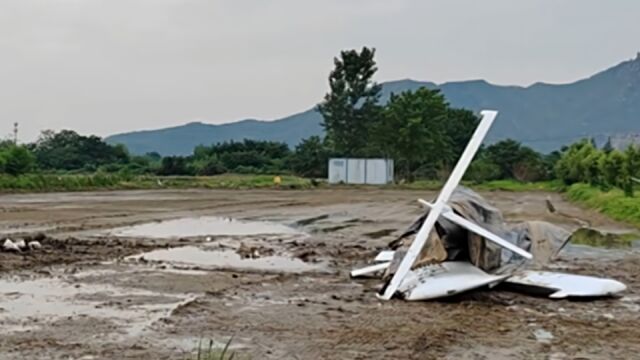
{"x":108,"y":66}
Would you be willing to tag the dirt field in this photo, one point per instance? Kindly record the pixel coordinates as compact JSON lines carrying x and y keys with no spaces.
{"x":83,"y":297}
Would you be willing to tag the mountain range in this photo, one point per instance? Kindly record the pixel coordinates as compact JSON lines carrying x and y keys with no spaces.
{"x":543,"y":116}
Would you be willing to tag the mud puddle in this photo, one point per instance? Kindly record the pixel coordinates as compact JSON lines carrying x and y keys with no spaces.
{"x":608,"y":240}
{"x":201,"y":226}
{"x":27,"y":305}
{"x":192,"y":256}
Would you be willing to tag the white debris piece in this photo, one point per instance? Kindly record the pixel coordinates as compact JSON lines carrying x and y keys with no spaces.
{"x":384,"y":255}
{"x":21,"y":244}
{"x":566,"y":285}
{"x":10,"y":246}
{"x":370,"y":269}
{"x":34,"y":245}
{"x":543,"y":336}
{"x":445,"y":279}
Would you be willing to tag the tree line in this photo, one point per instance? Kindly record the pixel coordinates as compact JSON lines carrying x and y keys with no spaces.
{"x":419,"y":130}
{"x":605,"y":168}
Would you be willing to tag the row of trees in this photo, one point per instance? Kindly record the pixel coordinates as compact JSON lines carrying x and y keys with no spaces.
{"x":67,"y":151}
{"x":605,"y":168}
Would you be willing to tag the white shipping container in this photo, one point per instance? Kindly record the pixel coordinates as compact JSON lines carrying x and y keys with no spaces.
{"x":356,"y":171}
{"x":360,"y":171}
{"x":337,"y":171}
{"x":377,"y":171}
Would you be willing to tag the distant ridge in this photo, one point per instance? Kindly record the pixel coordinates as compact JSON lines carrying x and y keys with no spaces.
{"x":544,"y":116}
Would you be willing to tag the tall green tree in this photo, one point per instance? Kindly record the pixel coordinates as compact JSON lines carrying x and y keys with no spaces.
{"x":613,"y":167}
{"x":311,"y":158}
{"x":633,"y":159}
{"x":350,"y":108}
{"x":67,"y":150}
{"x":413,"y":131}
{"x":461,"y":124}
{"x":516,"y":161}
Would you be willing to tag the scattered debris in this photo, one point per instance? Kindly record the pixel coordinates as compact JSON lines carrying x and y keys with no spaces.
{"x":462,"y":243}
{"x":20,"y":245}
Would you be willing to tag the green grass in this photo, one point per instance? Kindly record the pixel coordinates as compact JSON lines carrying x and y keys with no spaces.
{"x":497,"y":185}
{"x":517,"y":186}
{"x":108,"y":181}
{"x":592,"y":237}
{"x":612,"y":203}
{"x":207,"y":351}
{"x":99,"y":181}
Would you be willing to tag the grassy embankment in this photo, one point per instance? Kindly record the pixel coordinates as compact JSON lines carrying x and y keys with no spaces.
{"x":612,"y":203}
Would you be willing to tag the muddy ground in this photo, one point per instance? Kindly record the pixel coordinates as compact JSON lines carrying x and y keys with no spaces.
{"x":82,"y":296}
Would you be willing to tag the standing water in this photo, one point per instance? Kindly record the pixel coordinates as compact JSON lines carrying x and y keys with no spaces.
{"x":201,"y":226}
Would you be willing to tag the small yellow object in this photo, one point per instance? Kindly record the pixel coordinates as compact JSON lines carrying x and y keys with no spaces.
{"x":277,"y":180}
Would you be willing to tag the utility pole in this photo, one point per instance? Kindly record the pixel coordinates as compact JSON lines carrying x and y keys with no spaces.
{"x":15,"y":133}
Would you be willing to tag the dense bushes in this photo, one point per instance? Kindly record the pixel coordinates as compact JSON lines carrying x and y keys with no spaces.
{"x":67,"y":150}
{"x":15,"y":160}
{"x":508,"y":159}
{"x":605,"y":168}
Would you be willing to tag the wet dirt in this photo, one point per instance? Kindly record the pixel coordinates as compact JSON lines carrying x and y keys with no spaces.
{"x":192,"y":256}
{"x":93,"y":292}
{"x":200,"y":226}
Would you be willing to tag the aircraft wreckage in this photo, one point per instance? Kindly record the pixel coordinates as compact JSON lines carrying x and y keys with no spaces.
{"x":462,"y":243}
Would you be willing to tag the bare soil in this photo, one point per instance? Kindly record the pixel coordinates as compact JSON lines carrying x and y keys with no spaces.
{"x":81,"y":297}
